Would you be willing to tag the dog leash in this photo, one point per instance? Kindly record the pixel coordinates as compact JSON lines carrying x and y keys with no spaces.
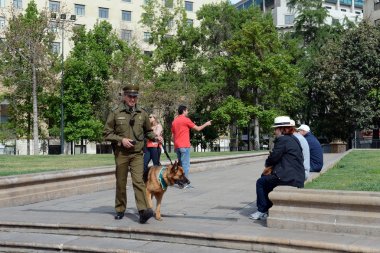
{"x":166,"y":153}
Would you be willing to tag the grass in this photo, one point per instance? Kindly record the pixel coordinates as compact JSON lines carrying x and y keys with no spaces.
{"x":16,"y":165}
{"x":357,"y":171}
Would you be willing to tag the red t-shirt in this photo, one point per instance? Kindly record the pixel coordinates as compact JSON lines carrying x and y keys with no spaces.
{"x":181,"y":131}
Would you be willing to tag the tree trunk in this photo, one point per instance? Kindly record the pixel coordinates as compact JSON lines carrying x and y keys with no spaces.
{"x":256,"y":130}
{"x":35,"y":110}
{"x":256,"y":127}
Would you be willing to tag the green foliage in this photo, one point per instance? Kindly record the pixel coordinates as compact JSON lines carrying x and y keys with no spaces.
{"x":26,"y":68}
{"x":311,"y":17}
{"x":345,"y":78}
{"x":357,"y":171}
{"x":87,"y":73}
{"x":6,"y":132}
{"x":233,"y":110}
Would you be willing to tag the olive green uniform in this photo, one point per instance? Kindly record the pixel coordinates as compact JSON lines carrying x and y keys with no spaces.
{"x":133,"y":124}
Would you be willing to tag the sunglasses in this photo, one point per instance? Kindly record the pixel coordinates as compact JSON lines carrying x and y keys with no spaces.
{"x":131,"y":96}
{"x":151,"y":117}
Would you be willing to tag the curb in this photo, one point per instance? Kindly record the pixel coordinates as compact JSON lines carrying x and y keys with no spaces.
{"x":33,"y":188}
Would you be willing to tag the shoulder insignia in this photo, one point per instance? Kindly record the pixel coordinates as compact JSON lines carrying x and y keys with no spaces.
{"x":114,"y":108}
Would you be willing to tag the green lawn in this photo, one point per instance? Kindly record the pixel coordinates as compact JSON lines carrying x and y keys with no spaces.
{"x":14,"y":165}
{"x":357,"y":171}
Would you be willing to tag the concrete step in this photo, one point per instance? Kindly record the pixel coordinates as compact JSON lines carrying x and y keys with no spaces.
{"x":241,"y":237}
{"x":325,"y":210}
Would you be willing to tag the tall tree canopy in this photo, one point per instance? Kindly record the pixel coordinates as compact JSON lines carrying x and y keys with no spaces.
{"x":87,"y":73}
{"x":346,"y":83}
{"x":27,"y":63}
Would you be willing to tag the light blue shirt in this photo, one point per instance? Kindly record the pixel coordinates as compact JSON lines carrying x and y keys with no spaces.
{"x":305,"y":152}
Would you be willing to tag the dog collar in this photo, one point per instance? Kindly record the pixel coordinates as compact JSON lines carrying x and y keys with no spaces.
{"x":161,"y":179}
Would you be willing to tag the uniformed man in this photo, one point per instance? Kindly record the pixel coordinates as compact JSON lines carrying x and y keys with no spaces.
{"x":126,"y":127}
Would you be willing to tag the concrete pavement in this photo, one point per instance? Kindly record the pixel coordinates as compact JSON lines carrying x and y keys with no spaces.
{"x":212,"y":217}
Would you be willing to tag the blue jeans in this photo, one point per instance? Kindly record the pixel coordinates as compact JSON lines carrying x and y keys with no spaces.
{"x":151,"y":154}
{"x":264,"y":185}
{"x":183,"y":155}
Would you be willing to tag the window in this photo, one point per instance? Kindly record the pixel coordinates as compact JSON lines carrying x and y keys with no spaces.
{"x":346,"y":2}
{"x":17,"y":4}
{"x":188,"y":6}
{"x":56,"y":48}
{"x":126,"y":15}
{"x":103,"y":12}
{"x":128,"y":1}
{"x":190,"y":22}
{"x":126,"y":35}
{"x":2,"y":3}
{"x":79,"y":10}
{"x":377,"y":6}
{"x":328,"y":7}
{"x":359,"y":3}
{"x":2,"y":22}
{"x":171,"y":23}
{"x":53,"y":26}
{"x":148,"y":53}
{"x":335,"y":21}
{"x":147,"y":36}
{"x":343,"y":10}
{"x":54,"y":6}
{"x":289,"y":19}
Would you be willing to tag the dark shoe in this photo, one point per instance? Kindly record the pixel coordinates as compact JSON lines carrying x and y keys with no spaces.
{"x":145,"y":215}
{"x":119,"y":215}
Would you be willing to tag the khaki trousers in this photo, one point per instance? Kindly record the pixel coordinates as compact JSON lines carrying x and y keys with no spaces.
{"x":135,"y":164}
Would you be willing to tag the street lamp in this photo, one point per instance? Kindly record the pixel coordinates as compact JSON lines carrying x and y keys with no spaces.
{"x":62,"y":20}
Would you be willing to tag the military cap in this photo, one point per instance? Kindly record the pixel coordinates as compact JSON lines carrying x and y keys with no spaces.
{"x":131,"y":89}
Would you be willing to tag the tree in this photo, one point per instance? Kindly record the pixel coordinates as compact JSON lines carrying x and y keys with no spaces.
{"x":312,"y":33}
{"x":86,"y":79}
{"x":267,"y":78}
{"x":169,"y":81}
{"x":346,"y":83}
{"x":27,"y":67}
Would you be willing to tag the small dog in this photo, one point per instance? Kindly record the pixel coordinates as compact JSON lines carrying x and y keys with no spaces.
{"x":158,"y":178}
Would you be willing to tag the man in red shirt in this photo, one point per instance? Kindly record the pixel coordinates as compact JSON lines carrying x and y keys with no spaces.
{"x":181,"y":136}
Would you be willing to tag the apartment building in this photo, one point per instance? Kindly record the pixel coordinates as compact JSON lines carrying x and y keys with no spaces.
{"x":372,"y":11}
{"x":124,"y":15}
{"x":283,"y":16}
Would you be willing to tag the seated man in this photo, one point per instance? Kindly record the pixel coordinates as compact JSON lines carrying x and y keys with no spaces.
{"x":316,"y":152}
{"x":286,"y":163}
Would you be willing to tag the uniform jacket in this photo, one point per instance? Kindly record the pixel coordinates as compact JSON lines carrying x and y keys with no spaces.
{"x":122,"y":123}
{"x":286,"y":160}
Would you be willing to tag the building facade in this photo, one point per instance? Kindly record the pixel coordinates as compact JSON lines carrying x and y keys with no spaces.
{"x":372,"y":11}
{"x":123,"y":15}
{"x":283,"y":16}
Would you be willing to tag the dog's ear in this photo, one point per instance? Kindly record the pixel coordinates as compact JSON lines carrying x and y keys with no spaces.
{"x":175,"y":165}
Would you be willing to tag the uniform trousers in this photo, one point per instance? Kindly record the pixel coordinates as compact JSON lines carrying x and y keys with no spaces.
{"x":134,"y":163}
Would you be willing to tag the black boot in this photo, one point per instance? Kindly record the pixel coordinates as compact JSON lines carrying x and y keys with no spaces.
{"x":145,"y":215}
{"x":119,"y":215}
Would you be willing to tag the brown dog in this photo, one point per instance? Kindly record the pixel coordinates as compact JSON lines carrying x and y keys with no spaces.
{"x":157,"y":181}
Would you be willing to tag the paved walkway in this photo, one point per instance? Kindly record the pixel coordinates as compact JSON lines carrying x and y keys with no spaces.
{"x":212,"y":217}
